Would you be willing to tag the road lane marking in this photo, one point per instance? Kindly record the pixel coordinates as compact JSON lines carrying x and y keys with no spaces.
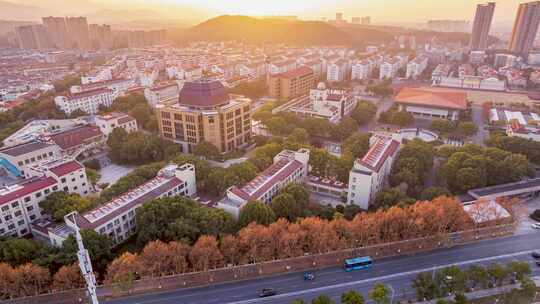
{"x":381,"y":278}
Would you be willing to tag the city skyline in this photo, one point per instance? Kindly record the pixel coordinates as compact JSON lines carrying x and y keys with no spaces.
{"x":388,"y":11}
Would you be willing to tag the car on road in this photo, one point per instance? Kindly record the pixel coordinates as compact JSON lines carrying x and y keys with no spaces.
{"x":538,"y":263}
{"x":309,"y":276}
{"x":536,"y":254}
{"x":535,"y":225}
{"x":267,"y":292}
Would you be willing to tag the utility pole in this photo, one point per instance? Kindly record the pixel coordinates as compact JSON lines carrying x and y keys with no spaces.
{"x":85,"y":264}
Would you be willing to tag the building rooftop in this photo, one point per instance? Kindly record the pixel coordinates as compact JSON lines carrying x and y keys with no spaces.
{"x":383,"y":148}
{"x":298,"y":72}
{"x":76,"y":136}
{"x":13,"y":192}
{"x":203,"y":93}
{"x":148,"y":191}
{"x":266,"y":179}
{"x":521,"y":186}
{"x":66,"y":168}
{"x":24,"y":148}
{"x":432,"y":98}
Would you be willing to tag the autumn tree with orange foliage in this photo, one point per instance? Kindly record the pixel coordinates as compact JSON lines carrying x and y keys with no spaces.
{"x":68,"y":277}
{"x":124,"y":269}
{"x":205,"y":254}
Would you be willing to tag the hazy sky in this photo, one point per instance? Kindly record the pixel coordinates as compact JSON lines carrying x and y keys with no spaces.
{"x":381,"y":10}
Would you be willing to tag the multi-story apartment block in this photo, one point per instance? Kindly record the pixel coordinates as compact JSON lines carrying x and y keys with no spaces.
{"x":19,"y":203}
{"x":337,"y":71}
{"x":291,"y":84}
{"x":108,"y":122}
{"x":116,"y":218}
{"x":33,"y":37}
{"x":205,"y":112}
{"x":57,"y":30}
{"x":161,"y":93}
{"x":368,"y":175}
{"x":416,"y":67}
{"x":361,"y":70}
{"x":87,"y":101}
{"x":288,"y":167}
{"x":281,"y":66}
{"x":389,"y":68}
{"x":77,"y":28}
{"x":316,"y":67}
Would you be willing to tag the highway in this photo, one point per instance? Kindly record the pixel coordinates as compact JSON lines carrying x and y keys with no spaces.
{"x":397,"y":272}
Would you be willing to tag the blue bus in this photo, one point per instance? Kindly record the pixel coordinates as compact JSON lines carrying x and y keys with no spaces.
{"x":358,"y":263}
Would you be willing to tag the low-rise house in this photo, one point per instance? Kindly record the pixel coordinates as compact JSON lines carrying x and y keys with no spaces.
{"x":86,"y":101}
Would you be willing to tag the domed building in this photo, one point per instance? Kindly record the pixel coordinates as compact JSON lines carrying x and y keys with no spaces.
{"x":206,"y":112}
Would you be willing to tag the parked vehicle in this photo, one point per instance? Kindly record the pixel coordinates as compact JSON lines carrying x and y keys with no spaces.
{"x":267,"y":292}
{"x":535,"y":225}
{"x":536,"y":254}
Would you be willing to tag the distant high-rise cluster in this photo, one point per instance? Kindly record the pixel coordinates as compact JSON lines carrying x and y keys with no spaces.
{"x":525,"y":28}
{"x":71,"y":33}
{"x":481,"y":26}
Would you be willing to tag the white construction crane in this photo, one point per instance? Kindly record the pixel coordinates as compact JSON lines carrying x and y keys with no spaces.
{"x":85,"y":264}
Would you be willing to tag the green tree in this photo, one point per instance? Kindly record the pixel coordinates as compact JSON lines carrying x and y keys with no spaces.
{"x":380,"y":294}
{"x":207,"y":150}
{"x":256,"y":211}
{"x":352,"y":297}
{"x":519,"y":269}
{"x":98,"y":246}
{"x":357,"y":144}
{"x":323,"y":299}
{"x":497,"y":273}
{"x":528,"y":287}
{"x":299,"y":135}
{"x":93,"y":175}
{"x":17,"y":251}
{"x":425,"y":287}
{"x":285,"y":206}
{"x":460,"y":299}
{"x":364,"y":112}
{"x":277,"y":126}
{"x":478,"y":276}
{"x":467,"y":128}
{"x":344,"y":129}
{"x":430,"y":193}
{"x":443,"y":126}
{"x":391,"y":197}
{"x":60,"y":203}
{"x":299,"y":193}
{"x":451,"y":280}
{"x":402,"y":119}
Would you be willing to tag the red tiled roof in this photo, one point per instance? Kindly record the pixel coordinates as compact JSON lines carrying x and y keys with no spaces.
{"x":374,"y":159}
{"x":27,"y":188}
{"x":432,"y":97}
{"x":66,"y":168}
{"x":301,"y":71}
{"x":76,"y":137}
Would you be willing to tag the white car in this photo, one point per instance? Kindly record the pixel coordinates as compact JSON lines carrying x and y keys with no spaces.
{"x":536,"y":225}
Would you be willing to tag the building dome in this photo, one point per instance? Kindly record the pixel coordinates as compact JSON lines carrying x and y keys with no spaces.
{"x":321,"y":86}
{"x":203,"y":93}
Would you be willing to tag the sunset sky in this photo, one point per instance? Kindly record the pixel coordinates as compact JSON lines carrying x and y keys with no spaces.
{"x":382,"y":11}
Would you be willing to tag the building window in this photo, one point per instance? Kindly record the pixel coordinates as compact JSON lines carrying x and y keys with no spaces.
{"x":63,"y":180}
{"x":166,"y":115}
{"x":27,"y":199}
{"x":5,"y":208}
{"x":14,"y":204}
{"x":18,"y":213}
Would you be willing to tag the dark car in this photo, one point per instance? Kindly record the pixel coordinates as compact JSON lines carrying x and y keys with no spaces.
{"x":535,"y":254}
{"x":267,"y":292}
{"x":538,"y":263}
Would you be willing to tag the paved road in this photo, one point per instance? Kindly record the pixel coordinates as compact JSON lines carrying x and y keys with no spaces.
{"x":397,"y":272}
{"x":480,"y":137}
